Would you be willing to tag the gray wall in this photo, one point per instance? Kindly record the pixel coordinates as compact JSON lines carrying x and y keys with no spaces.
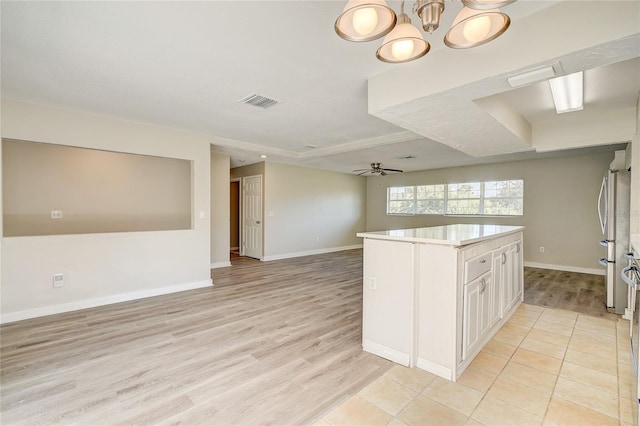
{"x":560,"y":197}
{"x":104,"y":268}
{"x":220,"y":210}
{"x":310,"y":210}
{"x":307,"y":210}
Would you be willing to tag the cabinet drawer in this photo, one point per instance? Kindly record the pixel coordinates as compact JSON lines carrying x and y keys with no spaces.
{"x":477,"y":266}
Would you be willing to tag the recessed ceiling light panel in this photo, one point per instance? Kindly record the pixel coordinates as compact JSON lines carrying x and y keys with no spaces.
{"x":567,"y":92}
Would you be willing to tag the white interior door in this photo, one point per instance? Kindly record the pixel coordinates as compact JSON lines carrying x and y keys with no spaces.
{"x":252,"y":216}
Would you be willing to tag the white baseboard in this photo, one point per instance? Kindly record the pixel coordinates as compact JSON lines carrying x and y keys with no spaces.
{"x":310,"y":252}
{"x":220,"y":264}
{"x":565,"y":268}
{"x":386,"y":352}
{"x":100,"y":301}
{"x":434,"y":368}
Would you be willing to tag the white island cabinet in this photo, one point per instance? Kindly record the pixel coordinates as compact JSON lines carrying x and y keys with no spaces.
{"x":433,"y":297}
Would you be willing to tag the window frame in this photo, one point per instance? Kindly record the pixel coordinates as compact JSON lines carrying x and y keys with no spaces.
{"x":482,"y":198}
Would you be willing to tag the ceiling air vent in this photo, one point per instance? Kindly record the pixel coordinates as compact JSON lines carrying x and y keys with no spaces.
{"x":258,"y":101}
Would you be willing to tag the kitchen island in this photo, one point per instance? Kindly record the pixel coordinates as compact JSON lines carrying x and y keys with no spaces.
{"x":433,"y":297}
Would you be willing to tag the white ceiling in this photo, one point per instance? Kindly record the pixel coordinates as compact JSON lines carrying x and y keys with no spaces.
{"x":186,"y":65}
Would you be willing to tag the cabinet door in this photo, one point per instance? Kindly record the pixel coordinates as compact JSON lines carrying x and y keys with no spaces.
{"x":477,"y":312}
{"x":486,"y":299}
{"x":471,"y":330}
{"x":496,"y":286}
{"x":503,"y":286}
{"x":515,"y":264}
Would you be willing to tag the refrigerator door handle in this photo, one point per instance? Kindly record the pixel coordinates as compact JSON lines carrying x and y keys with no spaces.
{"x":603,"y":190}
{"x":631,"y":283}
{"x":604,"y":262}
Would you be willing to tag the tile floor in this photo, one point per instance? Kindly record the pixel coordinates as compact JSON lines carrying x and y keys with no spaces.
{"x":545,"y":366}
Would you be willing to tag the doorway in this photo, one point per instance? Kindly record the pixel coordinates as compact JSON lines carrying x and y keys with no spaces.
{"x":234,"y":218}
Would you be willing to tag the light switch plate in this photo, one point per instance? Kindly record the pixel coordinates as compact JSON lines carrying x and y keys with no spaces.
{"x":58,"y":280}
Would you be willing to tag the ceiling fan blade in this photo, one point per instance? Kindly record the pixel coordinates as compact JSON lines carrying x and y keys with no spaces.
{"x":366,"y":171}
{"x":361,"y":170}
{"x":393,"y":170}
{"x":383,"y":173}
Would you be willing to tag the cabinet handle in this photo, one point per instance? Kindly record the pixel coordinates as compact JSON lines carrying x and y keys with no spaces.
{"x":484,"y":285}
{"x":483,"y":261}
{"x":504,"y":258}
{"x":518,"y":248}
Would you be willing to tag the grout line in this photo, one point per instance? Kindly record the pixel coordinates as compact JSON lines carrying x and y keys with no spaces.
{"x":509,"y":360}
{"x":553,"y":391}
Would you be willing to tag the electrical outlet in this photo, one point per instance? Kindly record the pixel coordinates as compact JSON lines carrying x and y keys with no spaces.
{"x":317,"y":239}
{"x":541,"y":249}
{"x":58,"y":280}
{"x":56,"y":214}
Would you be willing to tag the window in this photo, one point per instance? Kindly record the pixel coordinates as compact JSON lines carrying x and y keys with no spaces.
{"x":430,"y":199}
{"x":492,"y":198}
{"x":503,"y":198}
{"x":464,"y":198}
{"x":401,"y":200}
{"x":412,"y":200}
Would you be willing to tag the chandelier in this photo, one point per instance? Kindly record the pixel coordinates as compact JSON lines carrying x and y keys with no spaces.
{"x":479,"y":22}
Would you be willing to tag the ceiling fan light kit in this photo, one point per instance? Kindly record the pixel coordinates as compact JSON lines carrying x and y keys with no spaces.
{"x":479,"y":22}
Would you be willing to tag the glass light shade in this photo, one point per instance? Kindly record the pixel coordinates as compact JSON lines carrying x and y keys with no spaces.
{"x":473,"y":28}
{"x":365,"y":20}
{"x":486,"y":4}
{"x":403,"y":44}
{"x":567,"y":92}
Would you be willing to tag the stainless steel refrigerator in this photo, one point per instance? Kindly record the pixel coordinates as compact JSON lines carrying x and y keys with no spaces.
{"x":613,"y":209}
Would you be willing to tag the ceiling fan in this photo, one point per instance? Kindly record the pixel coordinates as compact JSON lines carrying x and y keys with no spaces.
{"x":376,"y":169}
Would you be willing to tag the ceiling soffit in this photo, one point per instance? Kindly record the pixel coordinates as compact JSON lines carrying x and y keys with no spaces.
{"x":444,"y":109}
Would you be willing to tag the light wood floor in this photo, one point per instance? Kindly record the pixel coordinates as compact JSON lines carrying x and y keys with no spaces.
{"x":271,"y":343}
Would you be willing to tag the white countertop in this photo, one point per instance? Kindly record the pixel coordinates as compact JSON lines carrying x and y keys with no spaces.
{"x":451,"y":235}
